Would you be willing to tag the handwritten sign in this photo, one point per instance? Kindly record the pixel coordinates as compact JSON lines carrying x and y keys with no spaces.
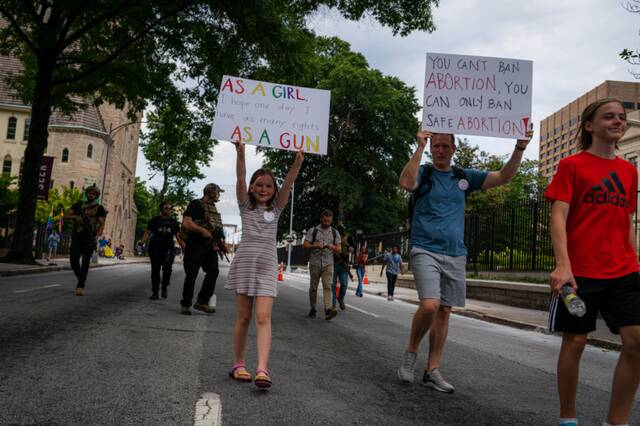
{"x":272,"y":115}
{"x":477,"y":95}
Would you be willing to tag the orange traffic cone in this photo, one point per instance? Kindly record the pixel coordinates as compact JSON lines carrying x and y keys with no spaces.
{"x":365,"y":280}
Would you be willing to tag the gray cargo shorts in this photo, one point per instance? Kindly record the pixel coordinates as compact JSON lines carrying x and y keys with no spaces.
{"x":439,"y":276}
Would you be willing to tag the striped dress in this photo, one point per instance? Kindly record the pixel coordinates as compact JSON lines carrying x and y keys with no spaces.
{"x":253,"y":270}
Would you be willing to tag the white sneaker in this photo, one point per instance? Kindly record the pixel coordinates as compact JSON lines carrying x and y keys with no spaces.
{"x":435,"y":380}
{"x":407,"y":369}
{"x":390,"y":298}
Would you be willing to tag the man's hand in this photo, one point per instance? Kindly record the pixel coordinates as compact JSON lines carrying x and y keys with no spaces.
{"x":522,"y":143}
{"x":205,"y":233}
{"x":331,"y":247}
{"x":422,"y":137}
{"x":317,"y":245}
{"x":561,"y":276}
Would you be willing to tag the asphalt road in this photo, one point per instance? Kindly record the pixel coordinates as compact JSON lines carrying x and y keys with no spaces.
{"x":114,"y":357}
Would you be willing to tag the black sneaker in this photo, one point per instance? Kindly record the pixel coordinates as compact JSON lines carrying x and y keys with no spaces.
{"x":330,"y":314}
{"x":164,"y":293}
{"x":312,"y":313}
{"x":154,"y":296}
{"x":184,"y":310}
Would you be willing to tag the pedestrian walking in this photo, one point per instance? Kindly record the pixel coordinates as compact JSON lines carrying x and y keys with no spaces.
{"x":438,"y":254}
{"x":88,"y":222}
{"x":52,"y":241}
{"x":361,"y":268}
{"x":252,"y":275}
{"x":203,"y":230}
{"x":392,"y":261}
{"x":323,"y":241}
{"x":341,"y":269}
{"x":594,"y":201}
{"x":160,"y":233}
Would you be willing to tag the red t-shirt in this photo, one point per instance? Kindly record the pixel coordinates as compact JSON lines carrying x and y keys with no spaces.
{"x":601,"y":194}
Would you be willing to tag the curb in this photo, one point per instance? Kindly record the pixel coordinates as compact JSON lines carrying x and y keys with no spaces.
{"x":43,"y":269}
{"x":522,"y":325}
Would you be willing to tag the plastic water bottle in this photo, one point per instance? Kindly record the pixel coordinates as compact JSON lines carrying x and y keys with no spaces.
{"x":574,"y":304}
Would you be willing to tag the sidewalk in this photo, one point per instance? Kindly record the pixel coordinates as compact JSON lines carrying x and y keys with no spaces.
{"x":526,"y":319}
{"x":61,"y":264}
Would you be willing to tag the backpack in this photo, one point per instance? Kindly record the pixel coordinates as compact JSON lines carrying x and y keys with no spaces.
{"x":425,"y":184}
{"x":334,"y":233}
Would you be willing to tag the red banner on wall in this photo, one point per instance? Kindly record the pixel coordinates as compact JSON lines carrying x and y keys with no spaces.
{"x":44,"y":177}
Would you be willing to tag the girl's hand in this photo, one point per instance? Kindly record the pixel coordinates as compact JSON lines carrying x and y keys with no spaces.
{"x":239,"y":148}
{"x":299,"y":156}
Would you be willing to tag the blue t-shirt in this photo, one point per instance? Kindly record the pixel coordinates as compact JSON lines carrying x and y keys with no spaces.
{"x":393,"y":262}
{"x":438,"y":216}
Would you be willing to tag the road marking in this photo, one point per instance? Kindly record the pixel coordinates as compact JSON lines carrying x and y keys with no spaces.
{"x":36,"y":288}
{"x":208,"y":410}
{"x":364,"y":312}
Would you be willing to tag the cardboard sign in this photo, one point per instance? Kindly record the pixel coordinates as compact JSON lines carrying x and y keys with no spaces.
{"x":272,"y":115}
{"x":477,"y":95}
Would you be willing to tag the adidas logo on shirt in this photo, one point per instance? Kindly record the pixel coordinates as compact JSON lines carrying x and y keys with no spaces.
{"x":609,"y":191}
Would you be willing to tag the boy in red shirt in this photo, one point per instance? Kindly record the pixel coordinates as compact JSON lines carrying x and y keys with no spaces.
{"x":594,"y":199}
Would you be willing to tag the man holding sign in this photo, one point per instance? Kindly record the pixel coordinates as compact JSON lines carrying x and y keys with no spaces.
{"x":438,"y":253}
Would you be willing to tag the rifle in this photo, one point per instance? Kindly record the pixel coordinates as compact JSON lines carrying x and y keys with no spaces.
{"x":217,"y":237}
{"x":87,"y":225}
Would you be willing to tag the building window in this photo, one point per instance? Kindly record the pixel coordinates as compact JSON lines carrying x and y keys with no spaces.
{"x":71,"y":184}
{"x":628,"y":105}
{"x":25,"y":134}
{"x":6,"y":166}
{"x":65,"y":155}
{"x":11,"y":128}
{"x":90,"y":151}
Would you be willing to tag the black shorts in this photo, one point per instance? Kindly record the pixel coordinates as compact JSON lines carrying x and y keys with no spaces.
{"x":616,"y":299}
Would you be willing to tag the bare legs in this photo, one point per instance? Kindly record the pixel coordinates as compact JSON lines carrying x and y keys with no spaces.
{"x":244,"y":309}
{"x":626,"y":376}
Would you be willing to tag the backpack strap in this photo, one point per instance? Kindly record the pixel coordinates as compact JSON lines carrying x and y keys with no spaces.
{"x":314,"y":234}
{"x":334,"y":234}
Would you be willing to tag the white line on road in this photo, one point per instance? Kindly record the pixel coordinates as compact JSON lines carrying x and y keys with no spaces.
{"x":208,"y":410}
{"x":363,"y":311}
{"x":36,"y":288}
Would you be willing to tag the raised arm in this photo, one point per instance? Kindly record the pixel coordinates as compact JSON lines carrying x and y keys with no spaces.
{"x":283,"y":194}
{"x":241,"y":173}
{"x":409,"y":175}
{"x":562,"y":274}
{"x":510,"y":169}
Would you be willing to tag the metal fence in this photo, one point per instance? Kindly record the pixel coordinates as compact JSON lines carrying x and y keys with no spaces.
{"x":514,"y":237}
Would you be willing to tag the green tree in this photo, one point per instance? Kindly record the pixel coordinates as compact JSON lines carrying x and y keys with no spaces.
{"x":59,"y":199}
{"x":146,"y":204}
{"x":125,"y":53}
{"x":8,"y":195}
{"x":372,"y":127}
{"x":176,"y":146}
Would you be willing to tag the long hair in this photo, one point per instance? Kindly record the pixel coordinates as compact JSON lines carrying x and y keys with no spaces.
{"x":258,"y":173}
{"x":583,"y":137}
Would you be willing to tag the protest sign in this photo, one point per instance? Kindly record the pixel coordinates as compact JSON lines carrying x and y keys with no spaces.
{"x":272,"y":115}
{"x":477,"y":95}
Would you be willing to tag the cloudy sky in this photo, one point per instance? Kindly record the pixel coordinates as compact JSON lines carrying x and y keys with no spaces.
{"x":574,"y":46}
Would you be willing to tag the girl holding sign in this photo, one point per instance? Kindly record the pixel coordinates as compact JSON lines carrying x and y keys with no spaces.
{"x":253,"y":271}
{"x":594,"y":199}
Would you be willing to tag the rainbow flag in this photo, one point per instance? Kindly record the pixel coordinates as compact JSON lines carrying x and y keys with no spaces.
{"x":61,"y":222}
{"x":49,"y":222}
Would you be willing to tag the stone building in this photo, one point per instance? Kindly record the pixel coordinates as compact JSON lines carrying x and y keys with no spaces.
{"x":97,"y":145}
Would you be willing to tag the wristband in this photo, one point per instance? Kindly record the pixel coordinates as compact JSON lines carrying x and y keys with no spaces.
{"x":521,"y":149}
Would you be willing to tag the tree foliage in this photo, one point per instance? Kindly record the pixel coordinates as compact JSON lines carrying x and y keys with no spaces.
{"x":176,"y":146}
{"x":59,"y":199}
{"x":371,"y":128}
{"x":8,"y":195}
{"x":78,"y":52}
{"x":146,"y":204}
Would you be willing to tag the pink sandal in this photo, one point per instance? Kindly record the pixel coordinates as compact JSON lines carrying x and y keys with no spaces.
{"x":239,"y":372}
{"x":262,"y":379}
